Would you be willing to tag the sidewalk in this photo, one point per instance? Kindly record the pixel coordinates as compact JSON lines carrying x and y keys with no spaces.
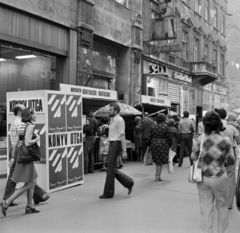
{"x":169,"y":207}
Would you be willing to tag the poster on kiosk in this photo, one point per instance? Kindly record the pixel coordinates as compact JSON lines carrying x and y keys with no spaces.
{"x":59,"y":125}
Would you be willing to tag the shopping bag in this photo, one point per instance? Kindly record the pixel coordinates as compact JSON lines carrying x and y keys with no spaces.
{"x":238,"y":189}
{"x":171,"y":155}
{"x":195,"y":173}
{"x":148,"y":158}
{"x":124,"y":155}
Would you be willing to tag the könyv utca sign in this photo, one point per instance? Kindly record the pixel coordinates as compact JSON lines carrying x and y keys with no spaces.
{"x":156,"y":101}
{"x":88,"y":92}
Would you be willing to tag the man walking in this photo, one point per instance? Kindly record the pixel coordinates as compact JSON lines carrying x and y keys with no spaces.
{"x":90,"y":130}
{"x":147,"y":124}
{"x":232,"y":133}
{"x":186,"y":129}
{"x":39,"y":194}
{"x":117,"y":145}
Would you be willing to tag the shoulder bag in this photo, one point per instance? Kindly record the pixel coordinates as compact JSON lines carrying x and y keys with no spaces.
{"x":238,"y":189}
{"x":195,"y":174}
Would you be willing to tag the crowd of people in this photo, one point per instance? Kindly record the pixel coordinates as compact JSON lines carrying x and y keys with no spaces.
{"x":216,"y":140}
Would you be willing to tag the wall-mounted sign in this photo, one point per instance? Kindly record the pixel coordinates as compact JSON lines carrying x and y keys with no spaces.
{"x":156,"y":101}
{"x":157,"y":69}
{"x":182,"y":77}
{"x":220,"y":89}
{"x":88,"y":92}
{"x":165,"y":48}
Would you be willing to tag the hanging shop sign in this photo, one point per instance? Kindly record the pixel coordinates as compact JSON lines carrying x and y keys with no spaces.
{"x":220,"y":89}
{"x":88,"y":92}
{"x":156,"y":101}
{"x":59,"y":125}
{"x":182,"y":77}
{"x":165,"y":48}
{"x":157,"y":69}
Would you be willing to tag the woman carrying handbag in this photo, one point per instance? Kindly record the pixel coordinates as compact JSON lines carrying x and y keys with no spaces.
{"x":24,"y":172}
{"x":216,"y":153}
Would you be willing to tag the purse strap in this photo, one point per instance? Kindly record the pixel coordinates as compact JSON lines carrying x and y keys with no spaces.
{"x":201,"y":146}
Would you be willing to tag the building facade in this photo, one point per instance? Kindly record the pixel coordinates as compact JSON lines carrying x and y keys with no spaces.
{"x":194,"y":78}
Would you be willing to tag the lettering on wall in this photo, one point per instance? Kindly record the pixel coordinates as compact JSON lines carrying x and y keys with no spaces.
{"x":157,"y":69}
{"x":36,"y":104}
{"x":166,"y":48}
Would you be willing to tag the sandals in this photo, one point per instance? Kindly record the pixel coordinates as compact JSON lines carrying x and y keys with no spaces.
{"x":30,"y":210}
{"x":4,"y":208}
{"x":158,"y":179}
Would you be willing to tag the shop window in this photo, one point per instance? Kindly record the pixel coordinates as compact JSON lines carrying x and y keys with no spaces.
{"x":185,"y":45}
{"x":151,"y":91}
{"x":23,"y":69}
{"x":206,"y":14}
{"x":215,"y":17}
{"x":223,"y":24}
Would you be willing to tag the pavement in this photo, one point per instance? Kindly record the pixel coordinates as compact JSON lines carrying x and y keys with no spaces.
{"x":170,"y":206}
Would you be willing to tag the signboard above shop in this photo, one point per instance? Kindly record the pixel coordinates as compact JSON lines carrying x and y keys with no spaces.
{"x":156,"y":101}
{"x":165,"y":48}
{"x":182,"y":77}
{"x":88,"y":92}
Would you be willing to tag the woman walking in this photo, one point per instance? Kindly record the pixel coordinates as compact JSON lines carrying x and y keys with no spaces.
{"x":217,"y":153}
{"x":24,"y":172}
{"x":104,"y":142}
{"x":159,"y":143}
{"x":138,"y":129}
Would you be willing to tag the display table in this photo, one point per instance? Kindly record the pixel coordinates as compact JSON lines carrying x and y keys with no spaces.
{"x":59,"y":125}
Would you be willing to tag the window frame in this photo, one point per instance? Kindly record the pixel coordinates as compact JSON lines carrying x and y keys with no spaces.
{"x":196,"y":54}
{"x":206,"y":10}
{"x":185,"y":42}
{"x":207,"y":54}
{"x":215,"y":57}
{"x":127,"y":3}
{"x":223,"y":23}
{"x":215,"y":17}
{"x":222,"y":64}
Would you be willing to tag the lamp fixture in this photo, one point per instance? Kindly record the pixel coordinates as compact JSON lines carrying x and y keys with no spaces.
{"x":2,"y":59}
{"x":25,"y":56}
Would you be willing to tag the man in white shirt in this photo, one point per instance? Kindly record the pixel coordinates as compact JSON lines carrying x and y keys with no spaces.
{"x":232,"y":133}
{"x":117,"y":146}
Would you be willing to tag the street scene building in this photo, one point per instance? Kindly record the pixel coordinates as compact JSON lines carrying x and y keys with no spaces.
{"x":120,"y":84}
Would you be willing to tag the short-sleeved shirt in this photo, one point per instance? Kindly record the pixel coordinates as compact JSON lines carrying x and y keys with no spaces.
{"x":13,"y":132}
{"x":231,"y":132}
{"x":116,"y":128}
{"x":186,"y":125}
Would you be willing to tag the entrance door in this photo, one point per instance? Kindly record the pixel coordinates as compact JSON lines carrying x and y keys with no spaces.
{"x":199,"y":115}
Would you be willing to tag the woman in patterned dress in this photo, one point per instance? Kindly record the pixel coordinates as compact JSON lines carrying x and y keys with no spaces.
{"x":138,"y":129}
{"x":159,"y":142}
{"x":24,"y":172}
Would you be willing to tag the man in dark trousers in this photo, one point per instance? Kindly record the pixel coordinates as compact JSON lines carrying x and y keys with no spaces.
{"x":39,"y":194}
{"x":90,"y":130}
{"x":117,"y":146}
{"x":147,"y":124}
{"x":186,"y":129}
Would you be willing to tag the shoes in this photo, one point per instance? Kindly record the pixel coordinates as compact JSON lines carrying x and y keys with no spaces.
{"x":45,"y":197}
{"x":105,"y":197}
{"x":30,"y":210}
{"x":130,"y":189}
{"x":229,"y":208}
{"x":13,"y":204}
{"x":4,"y":208}
{"x":179,"y":165}
{"x":91,"y":172}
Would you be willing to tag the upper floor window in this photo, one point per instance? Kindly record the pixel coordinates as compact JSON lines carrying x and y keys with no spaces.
{"x":215,"y":55}
{"x":206,"y":52}
{"x":222,"y":66}
{"x":215,"y":17}
{"x":196,"y":50}
{"x":223,"y":24}
{"x":185,"y":45}
{"x":198,"y":6}
{"x":123,"y":2}
{"x":206,"y":16}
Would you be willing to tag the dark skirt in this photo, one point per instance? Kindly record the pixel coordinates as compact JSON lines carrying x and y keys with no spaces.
{"x":160,"y":149}
{"x":138,"y":141}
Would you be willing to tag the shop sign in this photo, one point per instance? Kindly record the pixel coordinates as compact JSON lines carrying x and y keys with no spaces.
{"x":36,"y":104}
{"x":88,"y":92}
{"x":157,"y":69}
{"x":165,"y":48}
{"x":220,"y":89}
{"x":182,"y":77}
{"x":156,"y":101}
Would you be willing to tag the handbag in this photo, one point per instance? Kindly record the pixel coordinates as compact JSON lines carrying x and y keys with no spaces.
{"x":148,"y":158}
{"x":238,"y":189}
{"x":171,"y":155}
{"x":195,"y":173}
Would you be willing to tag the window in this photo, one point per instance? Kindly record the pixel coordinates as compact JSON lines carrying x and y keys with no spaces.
{"x":223,"y":24}
{"x":154,"y":15}
{"x":198,"y":6}
{"x":222,"y":67}
{"x":185,"y":45}
{"x":214,"y":60}
{"x":206,"y":10}
{"x":215,"y":17}
{"x":196,"y":50}
{"x":206,"y":52}
{"x":123,"y":2}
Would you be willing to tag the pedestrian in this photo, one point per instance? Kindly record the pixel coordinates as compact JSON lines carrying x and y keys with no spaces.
{"x":176,"y":119}
{"x":90,"y":130}
{"x":23,"y":172}
{"x":159,"y":143}
{"x":214,"y":186}
{"x":40,"y":195}
{"x":138,"y":130}
{"x":200,"y":127}
{"x":104,"y":142}
{"x":175,"y":137}
{"x":116,"y":146}
{"x":186,"y":129}
{"x":232,"y":133}
{"x":146,"y":124}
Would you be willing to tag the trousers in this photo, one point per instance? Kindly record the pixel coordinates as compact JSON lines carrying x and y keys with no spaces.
{"x":231,"y":184}
{"x":115,"y":148}
{"x":186,"y":141}
{"x":210,"y":190}
{"x":11,"y":186}
{"x":144,"y":146}
{"x":88,"y":154}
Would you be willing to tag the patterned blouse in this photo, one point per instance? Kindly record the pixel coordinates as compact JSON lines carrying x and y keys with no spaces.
{"x":217,"y":152}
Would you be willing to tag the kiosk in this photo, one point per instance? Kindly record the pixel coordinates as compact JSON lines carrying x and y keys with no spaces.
{"x":59,"y":125}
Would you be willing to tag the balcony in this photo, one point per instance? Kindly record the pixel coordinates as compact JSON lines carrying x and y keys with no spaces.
{"x":203,"y":72}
